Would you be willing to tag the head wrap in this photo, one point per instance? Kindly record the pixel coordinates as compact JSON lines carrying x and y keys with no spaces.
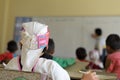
{"x":34,"y":38}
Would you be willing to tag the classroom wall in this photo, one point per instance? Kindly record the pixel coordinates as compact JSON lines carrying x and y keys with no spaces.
{"x":1,"y":16}
{"x":4,"y":11}
{"x":14,"y":8}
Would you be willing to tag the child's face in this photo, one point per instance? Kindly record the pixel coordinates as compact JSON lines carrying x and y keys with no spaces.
{"x":109,"y":50}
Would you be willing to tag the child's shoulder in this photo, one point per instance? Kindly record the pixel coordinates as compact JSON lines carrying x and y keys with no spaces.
{"x":114,"y":55}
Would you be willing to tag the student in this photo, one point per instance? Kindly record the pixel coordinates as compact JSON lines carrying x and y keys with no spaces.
{"x":34,"y":39}
{"x":113,"y":58}
{"x":9,"y":54}
{"x":81,"y":54}
{"x":51,"y":46}
{"x":95,"y":62}
{"x":94,"y":56}
{"x":63,"y":62}
{"x":100,"y":43}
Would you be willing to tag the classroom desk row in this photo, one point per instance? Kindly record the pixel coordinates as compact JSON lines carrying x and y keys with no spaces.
{"x":72,"y":70}
{"x":18,"y":75}
{"x":75,"y":74}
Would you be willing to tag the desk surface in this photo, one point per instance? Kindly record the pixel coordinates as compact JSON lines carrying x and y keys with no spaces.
{"x":72,"y":70}
{"x":75,"y":74}
{"x":15,"y":75}
{"x":1,"y":66}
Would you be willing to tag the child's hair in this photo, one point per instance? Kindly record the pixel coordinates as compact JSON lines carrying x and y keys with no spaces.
{"x":12,"y":46}
{"x":81,"y":53}
{"x":98,"y":31}
{"x":51,"y":45}
{"x":113,"y":41}
{"x":48,"y":52}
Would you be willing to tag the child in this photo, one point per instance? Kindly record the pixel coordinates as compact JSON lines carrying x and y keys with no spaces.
{"x":51,"y":46}
{"x":9,"y":54}
{"x":100,"y":43}
{"x":63,"y":62}
{"x":95,"y":62}
{"x":94,"y":56}
{"x":34,"y":38}
{"x":113,"y":58}
{"x":49,"y":51}
{"x":81,"y":54}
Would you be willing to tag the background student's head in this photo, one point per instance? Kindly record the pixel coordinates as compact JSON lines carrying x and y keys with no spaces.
{"x":51,"y":47}
{"x":112,"y":43}
{"x":81,"y":53}
{"x":97,"y":33}
{"x":12,"y":46}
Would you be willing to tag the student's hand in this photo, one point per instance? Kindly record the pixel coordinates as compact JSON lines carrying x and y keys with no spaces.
{"x":90,"y":76}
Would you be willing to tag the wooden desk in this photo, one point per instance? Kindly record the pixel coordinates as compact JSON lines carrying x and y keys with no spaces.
{"x":75,"y":74}
{"x":16,"y":75}
{"x":1,"y":66}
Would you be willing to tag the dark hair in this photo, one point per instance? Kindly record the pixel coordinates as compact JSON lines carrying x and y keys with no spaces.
{"x":46,"y":51}
{"x":51,"y":45}
{"x":113,"y":41}
{"x":12,"y":46}
{"x":81,"y":53}
{"x":98,"y":31}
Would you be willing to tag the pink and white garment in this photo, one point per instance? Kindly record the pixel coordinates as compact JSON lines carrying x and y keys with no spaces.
{"x":95,"y":58}
{"x":34,"y":38}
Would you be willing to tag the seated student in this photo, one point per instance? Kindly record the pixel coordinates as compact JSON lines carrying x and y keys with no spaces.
{"x":95,"y":62}
{"x":81,"y":54}
{"x":113,"y":58}
{"x":63,"y":62}
{"x":34,"y":39}
{"x":51,"y":46}
{"x":9,"y":54}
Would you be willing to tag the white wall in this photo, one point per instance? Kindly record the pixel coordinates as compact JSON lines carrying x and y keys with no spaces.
{"x":72,"y":32}
{"x":66,"y":32}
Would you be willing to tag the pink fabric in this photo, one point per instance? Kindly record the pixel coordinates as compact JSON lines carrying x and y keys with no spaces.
{"x":115,"y":63}
{"x":43,"y":40}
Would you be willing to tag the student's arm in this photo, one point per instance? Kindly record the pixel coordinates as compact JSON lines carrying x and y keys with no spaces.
{"x":52,"y":69}
{"x":64,"y":62}
{"x":109,"y":65}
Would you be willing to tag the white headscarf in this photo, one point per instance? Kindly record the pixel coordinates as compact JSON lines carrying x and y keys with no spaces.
{"x":34,"y":38}
{"x":95,"y":58}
